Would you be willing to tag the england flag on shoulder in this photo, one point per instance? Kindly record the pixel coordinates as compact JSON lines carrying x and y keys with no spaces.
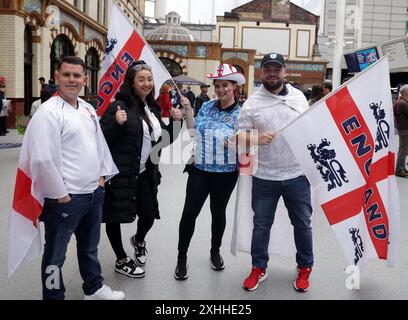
{"x":281,"y":239}
{"x":346,"y":146}
{"x":123,"y":47}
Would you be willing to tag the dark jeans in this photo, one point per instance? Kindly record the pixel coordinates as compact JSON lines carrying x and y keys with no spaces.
{"x":81,"y":216}
{"x":297,"y":199}
{"x":200,"y":184}
{"x":145,"y":213}
{"x":402,"y":152}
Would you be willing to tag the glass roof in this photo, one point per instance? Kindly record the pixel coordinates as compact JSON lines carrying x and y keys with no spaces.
{"x":171,"y":32}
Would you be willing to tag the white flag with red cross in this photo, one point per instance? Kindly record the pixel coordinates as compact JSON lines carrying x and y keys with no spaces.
{"x":281,"y":239}
{"x":346,"y":146}
{"x":125,"y":46}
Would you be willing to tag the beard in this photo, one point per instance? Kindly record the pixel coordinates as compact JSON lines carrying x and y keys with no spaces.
{"x":272,"y":87}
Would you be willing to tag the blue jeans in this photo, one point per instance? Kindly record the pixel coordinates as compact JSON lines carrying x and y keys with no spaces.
{"x":297,"y":199}
{"x":81,"y":216}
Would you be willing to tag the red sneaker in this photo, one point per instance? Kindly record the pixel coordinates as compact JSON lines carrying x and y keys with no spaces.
{"x":257,"y":275}
{"x":302,"y":280}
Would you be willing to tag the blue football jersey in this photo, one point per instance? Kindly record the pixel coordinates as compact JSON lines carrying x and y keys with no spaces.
{"x":213,"y":127}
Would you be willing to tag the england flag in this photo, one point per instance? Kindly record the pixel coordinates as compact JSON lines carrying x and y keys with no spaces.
{"x":123,"y":47}
{"x":346,"y":146}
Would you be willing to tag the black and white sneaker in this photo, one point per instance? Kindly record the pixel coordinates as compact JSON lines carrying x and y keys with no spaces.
{"x":181,"y":269}
{"x":129,"y":268}
{"x":140,"y":251}
{"x":217,"y":263}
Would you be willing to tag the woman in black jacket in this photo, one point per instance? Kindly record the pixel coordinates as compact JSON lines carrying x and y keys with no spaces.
{"x":132,"y":126}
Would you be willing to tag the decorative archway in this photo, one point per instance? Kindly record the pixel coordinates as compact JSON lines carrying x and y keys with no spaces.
{"x":92,"y":61}
{"x":35,"y":21}
{"x":172,"y":56}
{"x":61,"y":47}
{"x":97,"y":44}
{"x":241,"y":66}
{"x":172,"y":66}
{"x":70,"y":32}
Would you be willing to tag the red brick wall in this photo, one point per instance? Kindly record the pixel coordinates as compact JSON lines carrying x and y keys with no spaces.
{"x":17,"y":110}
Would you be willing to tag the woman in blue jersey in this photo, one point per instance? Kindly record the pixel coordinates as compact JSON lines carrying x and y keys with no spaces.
{"x":214,"y":171}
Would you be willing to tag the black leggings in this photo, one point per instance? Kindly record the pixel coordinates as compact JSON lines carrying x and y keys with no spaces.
{"x":146,"y":216}
{"x":200,"y":184}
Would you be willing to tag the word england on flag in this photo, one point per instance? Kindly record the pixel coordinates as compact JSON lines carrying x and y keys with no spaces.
{"x":346,"y":146}
{"x":124,"y":45}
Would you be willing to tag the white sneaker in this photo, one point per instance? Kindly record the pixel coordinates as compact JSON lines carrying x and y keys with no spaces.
{"x":106,"y":293}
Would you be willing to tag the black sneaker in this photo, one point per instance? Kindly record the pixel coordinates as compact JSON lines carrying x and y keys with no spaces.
{"x":129,"y":268}
{"x":181,"y":269}
{"x":217,"y":263}
{"x":140,"y":251}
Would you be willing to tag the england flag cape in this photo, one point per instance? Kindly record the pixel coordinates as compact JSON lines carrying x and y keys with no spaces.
{"x":347,"y":151}
{"x":281,"y":241}
{"x":39,"y":175}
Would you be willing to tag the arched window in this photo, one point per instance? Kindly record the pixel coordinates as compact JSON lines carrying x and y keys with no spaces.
{"x":28,"y":69}
{"x":239,"y":69}
{"x":92,"y":68}
{"x":61,"y":47}
{"x":172,"y":67}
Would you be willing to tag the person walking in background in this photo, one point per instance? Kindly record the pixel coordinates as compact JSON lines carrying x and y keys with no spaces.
{"x":316,"y":95}
{"x":49,"y":90}
{"x":402,"y":126}
{"x":201,"y":98}
{"x":36,"y":104}
{"x":307,"y":93}
{"x":164,"y":101}
{"x":190,"y":96}
{"x":34,"y":107}
{"x":242,"y":96}
{"x":208,"y":175}
{"x":4,"y":107}
{"x":327,"y":88}
{"x":133,"y":128}
{"x":269,"y":109}
{"x":41,"y":80}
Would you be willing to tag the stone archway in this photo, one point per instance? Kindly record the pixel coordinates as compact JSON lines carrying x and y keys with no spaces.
{"x":35,"y":21}
{"x":95,"y":43}
{"x":241,"y":66}
{"x":61,"y":47}
{"x":172,"y":56}
{"x":69,"y":31}
{"x":172,"y":66}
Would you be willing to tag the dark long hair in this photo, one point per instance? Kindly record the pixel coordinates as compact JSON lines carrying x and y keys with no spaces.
{"x":127,"y":89}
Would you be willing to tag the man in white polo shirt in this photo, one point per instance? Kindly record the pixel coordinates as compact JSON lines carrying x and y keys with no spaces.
{"x":69,"y":160}
{"x":268,"y":110}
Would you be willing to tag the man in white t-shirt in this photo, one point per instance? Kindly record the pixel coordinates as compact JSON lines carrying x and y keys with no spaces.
{"x":273,"y":106}
{"x":69,"y":161}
